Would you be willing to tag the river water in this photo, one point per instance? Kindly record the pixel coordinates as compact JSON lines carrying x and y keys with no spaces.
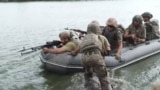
{"x":29,"y":24}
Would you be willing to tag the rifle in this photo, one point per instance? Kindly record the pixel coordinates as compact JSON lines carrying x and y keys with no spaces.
{"x":77,"y":30}
{"x":48,"y":45}
{"x":81,"y":31}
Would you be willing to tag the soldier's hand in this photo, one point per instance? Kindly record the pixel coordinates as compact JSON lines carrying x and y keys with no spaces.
{"x":45,"y":50}
{"x":117,"y":56}
{"x":73,"y":53}
{"x":133,"y":36}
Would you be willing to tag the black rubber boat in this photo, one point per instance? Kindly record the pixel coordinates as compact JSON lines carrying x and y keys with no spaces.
{"x":66,"y":63}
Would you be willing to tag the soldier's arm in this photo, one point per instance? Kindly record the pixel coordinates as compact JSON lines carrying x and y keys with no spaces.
{"x":76,"y":51}
{"x":55,"y":50}
{"x":107,"y":44}
{"x":143,"y":37}
{"x":120,"y":42}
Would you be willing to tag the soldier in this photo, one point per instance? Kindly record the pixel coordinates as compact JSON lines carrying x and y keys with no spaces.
{"x":152,"y":27}
{"x":68,"y":44}
{"x":136,"y":32}
{"x":92,"y":58}
{"x":114,"y":36}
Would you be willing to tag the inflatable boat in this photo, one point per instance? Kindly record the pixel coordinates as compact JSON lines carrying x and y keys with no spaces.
{"x":66,"y":63}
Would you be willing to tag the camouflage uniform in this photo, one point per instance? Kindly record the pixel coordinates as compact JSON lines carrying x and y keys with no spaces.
{"x":121,"y":28}
{"x":93,"y":61}
{"x":114,"y":36}
{"x":113,"y":32}
{"x":152,"y":30}
{"x":152,"y":27}
{"x":70,"y":46}
{"x":155,"y":27}
{"x":139,"y":31}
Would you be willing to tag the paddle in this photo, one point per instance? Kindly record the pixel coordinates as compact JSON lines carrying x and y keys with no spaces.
{"x":33,"y":49}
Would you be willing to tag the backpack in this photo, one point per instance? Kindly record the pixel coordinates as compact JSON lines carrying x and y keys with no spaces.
{"x":152,"y":30}
{"x":155,"y":26}
{"x":89,"y":42}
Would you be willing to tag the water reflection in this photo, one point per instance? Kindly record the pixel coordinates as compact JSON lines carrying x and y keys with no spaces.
{"x":141,"y":75}
{"x":54,"y":81}
{"x":77,"y":83}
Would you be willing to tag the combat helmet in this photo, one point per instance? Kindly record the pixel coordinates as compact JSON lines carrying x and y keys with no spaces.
{"x":65,"y":34}
{"x":95,"y":21}
{"x":147,"y":14}
{"x":93,"y":28}
{"x":112,"y":22}
{"x":137,"y":18}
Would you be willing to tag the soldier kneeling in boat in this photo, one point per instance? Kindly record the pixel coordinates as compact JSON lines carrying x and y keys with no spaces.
{"x":68,"y":44}
{"x":114,"y":36}
{"x":152,"y":26}
{"x":136,"y":32}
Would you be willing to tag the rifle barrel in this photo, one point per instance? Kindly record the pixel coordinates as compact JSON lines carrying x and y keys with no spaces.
{"x":48,"y":44}
{"x":77,"y":30}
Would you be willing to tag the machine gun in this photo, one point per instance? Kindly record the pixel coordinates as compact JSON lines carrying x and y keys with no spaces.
{"x":32,"y":49}
{"x":81,"y":31}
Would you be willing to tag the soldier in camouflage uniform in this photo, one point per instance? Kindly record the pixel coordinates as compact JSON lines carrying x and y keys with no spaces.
{"x":93,"y":61}
{"x":114,"y":36}
{"x":136,"y":32}
{"x":68,"y":44}
{"x":152,"y":27}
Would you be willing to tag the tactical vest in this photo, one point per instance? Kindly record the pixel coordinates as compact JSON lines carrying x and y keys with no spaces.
{"x":112,"y":37}
{"x":91,"y":42}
